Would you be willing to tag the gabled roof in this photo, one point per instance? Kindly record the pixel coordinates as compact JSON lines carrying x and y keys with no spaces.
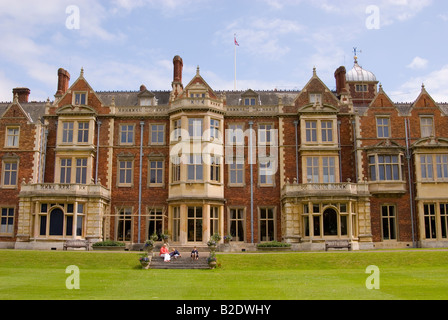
{"x":314,"y":82}
{"x":17,"y":104}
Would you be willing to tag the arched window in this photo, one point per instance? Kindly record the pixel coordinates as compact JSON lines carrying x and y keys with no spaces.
{"x":330,"y":222}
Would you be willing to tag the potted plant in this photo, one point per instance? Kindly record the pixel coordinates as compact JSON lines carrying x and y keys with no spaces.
{"x":212,"y":261}
{"x":227,"y":238}
{"x":145,"y":261}
{"x":213,"y":242}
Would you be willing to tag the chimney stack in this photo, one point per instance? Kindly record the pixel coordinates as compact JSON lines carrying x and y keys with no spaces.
{"x":178,"y":66}
{"x":341,"y":84}
{"x":177,"y":85}
{"x":63,"y":82}
{"x":22,"y":93}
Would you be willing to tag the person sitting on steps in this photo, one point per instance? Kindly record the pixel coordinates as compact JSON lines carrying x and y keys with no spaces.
{"x":165,"y":253}
{"x":195,"y":254}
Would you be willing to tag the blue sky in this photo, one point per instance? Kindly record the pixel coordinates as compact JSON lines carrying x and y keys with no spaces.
{"x":122,"y":44}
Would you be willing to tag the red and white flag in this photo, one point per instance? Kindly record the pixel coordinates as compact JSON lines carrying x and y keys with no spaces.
{"x":236,"y":42}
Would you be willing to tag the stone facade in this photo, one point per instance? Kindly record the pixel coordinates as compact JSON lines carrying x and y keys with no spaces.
{"x":302,"y":167}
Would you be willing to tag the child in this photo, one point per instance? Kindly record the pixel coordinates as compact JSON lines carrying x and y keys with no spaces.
{"x":195,"y":254}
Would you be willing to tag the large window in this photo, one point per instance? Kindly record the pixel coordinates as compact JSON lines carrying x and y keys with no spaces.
{"x":236,"y":172}
{"x":7,"y":221}
{"x":327,"y":131}
{"x":236,"y":224}
{"x":214,"y":129}
{"x":176,"y":224}
{"x":427,"y":126}
{"x":215,"y":168}
{"x":61,"y":220}
{"x":267,"y":173}
{"x":10,"y":173}
{"x":156,"y":173}
{"x":214,"y":220}
{"x":389,"y":222}
{"x":312,"y":169}
{"x":12,"y":137}
{"x":429,"y":211}
{"x":83,"y":132}
{"x":265,"y":134}
{"x":67,"y":132}
{"x":125,"y":172}
{"x":385,"y":167}
{"x":157,"y":134}
{"x":155,"y":223}
{"x":434,"y":167}
{"x":81,"y":171}
{"x":311,"y":131}
{"x":436,"y":220}
{"x":383,"y":127}
{"x":194,"y":224}
{"x":195,"y":168}
{"x":126,"y":134}
{"x":124,"y":224}
{"x":66,"y":171}
{"x":195,"y":128}
{"x":267,"y":224}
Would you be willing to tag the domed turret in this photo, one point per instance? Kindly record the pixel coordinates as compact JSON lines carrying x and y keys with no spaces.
{"x":358,"y":74}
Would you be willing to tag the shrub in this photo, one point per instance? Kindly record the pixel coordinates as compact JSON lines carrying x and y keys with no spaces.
{"x":274,"y":244}
{"x":109,"y":243}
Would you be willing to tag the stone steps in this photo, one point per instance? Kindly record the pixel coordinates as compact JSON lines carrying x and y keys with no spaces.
{"x":184,"y":262}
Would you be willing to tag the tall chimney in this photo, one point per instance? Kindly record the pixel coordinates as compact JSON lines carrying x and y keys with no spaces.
{"x":22,"y":93}
{"x":341,"y":84}
{"x":63,"y":82}
{"x":178,"y":66}
{"x":177,"y":85}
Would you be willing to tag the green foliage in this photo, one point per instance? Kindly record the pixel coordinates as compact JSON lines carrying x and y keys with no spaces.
{"x":109,"y":243}
{"x":273,"y":244}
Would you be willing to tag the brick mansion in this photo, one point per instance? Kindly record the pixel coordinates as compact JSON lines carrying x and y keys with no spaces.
{"x":302,"y":167}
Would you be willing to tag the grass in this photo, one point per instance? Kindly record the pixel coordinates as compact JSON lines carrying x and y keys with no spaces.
{"x":406,"y":275}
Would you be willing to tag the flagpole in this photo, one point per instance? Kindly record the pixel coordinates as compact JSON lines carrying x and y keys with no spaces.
{"x":235,"y":61}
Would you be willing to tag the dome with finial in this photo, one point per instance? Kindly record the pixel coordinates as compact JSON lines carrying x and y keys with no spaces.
{"x":358,"y":74}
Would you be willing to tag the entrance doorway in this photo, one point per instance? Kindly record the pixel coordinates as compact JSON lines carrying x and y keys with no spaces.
{"x":330,"y":222}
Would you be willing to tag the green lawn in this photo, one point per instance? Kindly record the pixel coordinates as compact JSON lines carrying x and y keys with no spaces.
{"x":412,"y":274}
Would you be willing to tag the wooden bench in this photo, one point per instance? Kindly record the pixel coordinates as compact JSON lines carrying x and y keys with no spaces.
{"x":338,"y":244}
{"x":76,"y":244}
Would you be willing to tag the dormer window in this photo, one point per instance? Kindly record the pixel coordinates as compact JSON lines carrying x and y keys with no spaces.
{"x":250,"y":98}
{"x":80,"y":99}
{"x":249,"y":101}
{"x":145,"y":102}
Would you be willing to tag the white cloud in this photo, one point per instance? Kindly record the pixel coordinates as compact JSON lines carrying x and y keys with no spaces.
{"x":418,"y":63}
{"x":436,"y":83}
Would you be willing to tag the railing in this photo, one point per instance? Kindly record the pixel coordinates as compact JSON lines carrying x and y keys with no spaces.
{"x":325,"y":189}
{"x":56,"y":189}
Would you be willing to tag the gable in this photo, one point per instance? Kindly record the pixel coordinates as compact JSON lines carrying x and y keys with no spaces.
{"x":381,"y":100}
{"x":315,"y":86}
{"x":15,"y":111}
{"x":81,"y":86}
